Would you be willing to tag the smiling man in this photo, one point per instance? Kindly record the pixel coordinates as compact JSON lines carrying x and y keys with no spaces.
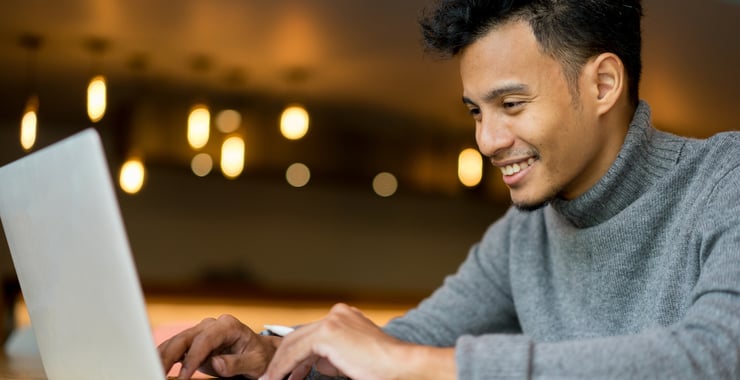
{"x":620,"y":259}
{"x":550,"y":138}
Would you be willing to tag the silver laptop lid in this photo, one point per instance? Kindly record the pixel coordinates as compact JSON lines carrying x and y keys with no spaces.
{"x":69,"y":247}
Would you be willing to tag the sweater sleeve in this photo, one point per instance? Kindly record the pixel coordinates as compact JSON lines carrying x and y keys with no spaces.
{"x":475,"y":300}
{"x":704,"y":344}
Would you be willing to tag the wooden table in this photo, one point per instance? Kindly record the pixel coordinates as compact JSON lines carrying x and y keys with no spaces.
{"x":21,"y":368}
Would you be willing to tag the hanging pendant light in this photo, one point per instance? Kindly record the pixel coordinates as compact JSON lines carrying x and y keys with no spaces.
{"x":29,"y":123}
{"x":199,"y":126}
{"x":132,"y":175}
{"x":470,"y":167}
{"x":97,"y":89}
{"x":199,"y":118}
{"x":294,"y":119}
{"x":294,"y":122}
{"x":29,"y":120}
{"x":96,"y":98}
{"x":232,"y":157}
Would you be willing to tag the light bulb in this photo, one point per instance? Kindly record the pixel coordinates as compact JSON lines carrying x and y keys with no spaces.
{"x":132,"y":176}
{"x":96,"y":98}
{"x":232,"y":157}
{"x":199,"y":126}
{"x":294,"y":122}
{"x":470,"y":167}
{"x":29,"y":123}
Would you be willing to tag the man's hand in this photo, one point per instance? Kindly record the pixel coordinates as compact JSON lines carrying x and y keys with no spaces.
{"x":346,"y":343}
{"x":221,"y":347}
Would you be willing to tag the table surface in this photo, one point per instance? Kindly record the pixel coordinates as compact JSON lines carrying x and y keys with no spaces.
{"x":21,"y":368}
{"x":31,"y":368}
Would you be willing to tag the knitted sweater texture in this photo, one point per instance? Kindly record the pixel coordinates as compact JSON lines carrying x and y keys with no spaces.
{"x":638,"y":278}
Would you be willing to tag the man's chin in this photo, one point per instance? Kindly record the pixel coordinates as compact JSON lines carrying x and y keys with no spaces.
{"x":531,"y":206}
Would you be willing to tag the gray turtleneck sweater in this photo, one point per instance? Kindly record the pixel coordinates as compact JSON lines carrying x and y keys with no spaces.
{"x":637,"y":278}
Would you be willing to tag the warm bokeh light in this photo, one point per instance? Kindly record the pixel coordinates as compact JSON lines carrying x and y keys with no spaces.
{"x":294,"y":122}
{"x":470,"y":167}
{"x":228,"y":121}
{"x":385,"y":184}
{"x":132,"y":176}
{"x":201,"y":164}
{"x":199,"y":126}
{"x":28,"y":130}
{"x":232,"y":157}
{"x":29,"y":123}
{"x":96,"y":98}
{"x":298,"y":175}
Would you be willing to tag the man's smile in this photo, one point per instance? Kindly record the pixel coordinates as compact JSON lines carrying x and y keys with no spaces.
{"x":515,"y":171}
{"x":516,"y":167}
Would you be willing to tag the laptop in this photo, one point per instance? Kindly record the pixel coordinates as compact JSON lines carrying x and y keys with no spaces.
{"x":70,"y":250}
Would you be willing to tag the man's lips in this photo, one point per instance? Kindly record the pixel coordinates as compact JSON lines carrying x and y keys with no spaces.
{"x":517,"y":166}
{"x":515,"y":171}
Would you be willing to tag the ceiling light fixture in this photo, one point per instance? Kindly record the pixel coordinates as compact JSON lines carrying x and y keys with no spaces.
{"x":199,"y":119}
{"x":294,"y":122}
{"x":232,"y":157}
{"x":97,"y":91}
{"x":294,"y":119}
{"x":29,"y":121}
{"x":132,"y":176}
{"x":470,"y":167}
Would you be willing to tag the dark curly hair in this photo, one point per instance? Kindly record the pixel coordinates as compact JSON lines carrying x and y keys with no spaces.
{"x":571,"y":31}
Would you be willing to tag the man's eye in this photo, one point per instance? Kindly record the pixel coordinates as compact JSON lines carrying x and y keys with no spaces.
{"x":474,"y":112}
{"x":513,"y":104}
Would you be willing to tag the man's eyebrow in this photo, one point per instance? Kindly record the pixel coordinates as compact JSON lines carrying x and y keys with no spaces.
{"x":498,"y":92}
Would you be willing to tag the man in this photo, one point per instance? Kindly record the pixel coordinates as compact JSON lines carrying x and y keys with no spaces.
{"x":620,"y":259}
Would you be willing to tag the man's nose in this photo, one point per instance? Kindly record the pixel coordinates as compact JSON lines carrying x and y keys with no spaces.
{"x":493,"y":135}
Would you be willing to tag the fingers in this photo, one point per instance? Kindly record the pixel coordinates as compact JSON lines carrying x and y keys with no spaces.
{"x":228,"y":365}
{"x":292,"y":355}
{"x":173,"y":350}
{"x":310,"y":344}
{"x":344,"y":342}
{"x":209,"y":345}
{"x":301,"y":371}
{"x":216,"y":337}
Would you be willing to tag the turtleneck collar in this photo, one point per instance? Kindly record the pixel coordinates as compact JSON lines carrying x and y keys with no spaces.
{"x":646,"y":155}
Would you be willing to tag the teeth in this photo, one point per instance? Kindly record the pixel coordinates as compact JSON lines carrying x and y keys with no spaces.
{"x":517,"y":167}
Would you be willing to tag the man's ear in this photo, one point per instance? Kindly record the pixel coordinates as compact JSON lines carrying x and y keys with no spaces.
{"x":607,"y":81}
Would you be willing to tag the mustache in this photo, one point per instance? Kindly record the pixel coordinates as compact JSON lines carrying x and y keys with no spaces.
{"x":505,"y":154}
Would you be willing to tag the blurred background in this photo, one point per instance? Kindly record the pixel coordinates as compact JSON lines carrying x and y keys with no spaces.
{"x":373,"y":197}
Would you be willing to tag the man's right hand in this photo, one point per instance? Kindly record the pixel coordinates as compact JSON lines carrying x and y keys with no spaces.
{"x":221,"y":347}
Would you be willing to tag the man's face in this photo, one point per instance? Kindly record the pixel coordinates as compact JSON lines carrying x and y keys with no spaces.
{"x":545,"y":143}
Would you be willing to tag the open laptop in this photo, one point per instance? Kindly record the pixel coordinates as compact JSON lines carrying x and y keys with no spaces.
{"x":71,"y":253}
